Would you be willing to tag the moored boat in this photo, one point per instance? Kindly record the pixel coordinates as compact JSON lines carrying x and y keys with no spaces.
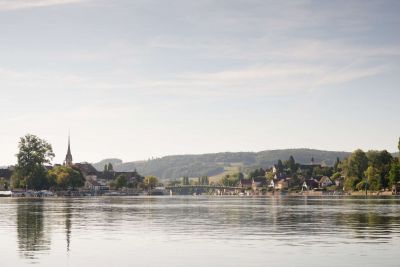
{"x":5,"y":193}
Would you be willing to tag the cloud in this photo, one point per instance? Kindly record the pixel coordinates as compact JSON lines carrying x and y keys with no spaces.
{"x":22,"y":4}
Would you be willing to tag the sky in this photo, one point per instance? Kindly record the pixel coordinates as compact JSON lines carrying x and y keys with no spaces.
{"x":135,"y":79}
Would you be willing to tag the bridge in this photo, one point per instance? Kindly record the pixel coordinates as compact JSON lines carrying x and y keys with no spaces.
{"x":204,"y":187}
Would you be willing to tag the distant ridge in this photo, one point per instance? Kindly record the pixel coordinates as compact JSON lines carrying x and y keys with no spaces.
{"x":176,"y":166}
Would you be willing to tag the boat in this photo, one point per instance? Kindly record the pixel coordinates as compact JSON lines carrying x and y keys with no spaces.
{"x":5,"y":193}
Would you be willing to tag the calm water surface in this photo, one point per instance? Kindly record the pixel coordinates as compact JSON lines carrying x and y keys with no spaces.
{"x":200,"y":231}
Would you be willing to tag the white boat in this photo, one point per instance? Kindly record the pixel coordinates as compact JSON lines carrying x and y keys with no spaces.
{"x":5,"y":193}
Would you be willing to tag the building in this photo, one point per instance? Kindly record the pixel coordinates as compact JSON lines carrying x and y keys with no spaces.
{"x":68,"y":157}
{"x":87,"y":170}
{"x":245,"y":183}
{"x":258,"y":183}
{"x":325,"y":181}
{"x":310,"y":184}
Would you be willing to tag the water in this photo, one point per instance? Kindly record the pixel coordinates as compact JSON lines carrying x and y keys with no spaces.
{"x":200,"y":231}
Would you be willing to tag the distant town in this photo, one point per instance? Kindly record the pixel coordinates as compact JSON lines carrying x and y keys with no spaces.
{"x":372,"y":172}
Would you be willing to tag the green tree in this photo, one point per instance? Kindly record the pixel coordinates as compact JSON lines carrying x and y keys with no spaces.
{"x":150,"y":182}
{"x":382,"y":161}
{"x":257,"y":173}
{"x":336,"y":165}
{"x":229,"y":180}
{"x":121,"y":181}
{"x":374,"y":179}
{"x":292,"y":164}
{"x":279,"y":166}
{"x":356,"y":164}
{"x":398,"y":146}
{"x":105,"y":168}
{"x":33,"y":154}
{"x":203,"y":180}
{"x":110,"y":167}
{"x":4,"y":184}
{"x":66,"y":177}
{"x":185,"y":180}
{"x":394,"y":173}
{"x":335,"y":176}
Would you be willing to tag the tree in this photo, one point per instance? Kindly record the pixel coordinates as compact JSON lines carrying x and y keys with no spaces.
{"x":3,"y":184}
{"x":121,"y":181}
{"x":203,"y":180}
{"x":336,"y":165}
{"x":382,"y":161}
{"x":110,"y":167}
{"x":398,"y":146}
{"x":150,"y":182}
{"x":394,"y":173}
{"x":257,"y":173}
{"x":229,"y":180}
{"x":105,"y":168}
{"x":185,"y":180}
{"x":292,"y":164}
{"x":65,"y":177}
{"x":33,"y":154}
{"x":357,"y":164}
{"x":335,"y":176}
{"x":373,"y":178}
{"x":279,"y":166}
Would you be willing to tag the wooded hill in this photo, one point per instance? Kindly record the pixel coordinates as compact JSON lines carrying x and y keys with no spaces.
{"x":172,"y":167}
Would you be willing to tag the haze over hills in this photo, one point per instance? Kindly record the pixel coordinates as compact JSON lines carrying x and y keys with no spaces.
{"x":176,"y":166}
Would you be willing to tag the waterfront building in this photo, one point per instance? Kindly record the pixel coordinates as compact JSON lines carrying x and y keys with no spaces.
{"x":68,"y":157}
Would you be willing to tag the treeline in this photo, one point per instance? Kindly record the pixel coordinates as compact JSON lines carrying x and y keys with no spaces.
{"x":373,"y":170}
{"x":32,"y":173}
{"x":175,"y":167}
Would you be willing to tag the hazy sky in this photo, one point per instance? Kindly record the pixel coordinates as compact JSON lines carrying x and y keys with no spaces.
{"x":136,"y":79}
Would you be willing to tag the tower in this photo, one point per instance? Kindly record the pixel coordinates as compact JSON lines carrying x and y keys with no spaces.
{"x":68,"y":157}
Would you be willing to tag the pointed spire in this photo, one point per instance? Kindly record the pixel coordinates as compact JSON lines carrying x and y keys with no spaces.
{"x":68,"y":157}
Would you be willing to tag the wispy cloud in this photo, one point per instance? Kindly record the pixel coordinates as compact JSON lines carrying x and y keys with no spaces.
{"x":22,"y":4}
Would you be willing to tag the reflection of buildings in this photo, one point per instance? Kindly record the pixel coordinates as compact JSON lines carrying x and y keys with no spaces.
{"x":68,"y":224}
{"x":30,"y":228}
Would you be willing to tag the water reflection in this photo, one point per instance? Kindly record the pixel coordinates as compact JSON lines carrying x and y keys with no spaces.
{"x":245,"y":222}
{"x":30,"y":228}
{"x":68,"y":223}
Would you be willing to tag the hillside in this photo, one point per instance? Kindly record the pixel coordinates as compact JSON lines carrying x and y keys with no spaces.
{"x":217,"y":163}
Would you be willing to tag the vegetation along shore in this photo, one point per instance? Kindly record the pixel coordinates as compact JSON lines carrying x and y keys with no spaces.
{"x":357,"y":173}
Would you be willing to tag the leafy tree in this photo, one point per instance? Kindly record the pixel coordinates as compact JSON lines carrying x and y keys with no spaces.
{"x":150,"y":182}
{"x":335,"y":176}
{"x":336,"y":165}
{"x":279,"y":166}
{"x":292,"y":164}
{"x":203,"y":180}
{"x":105,"y":168}
{"x":374,"y":179}
{"x":398,"y":146}
{"x":257,"y":173}
{"x":382,"y":161}
{"x":355,"y":166}
{"x":229,"y":180}
{"x":65,"y":177}
{"x":110,"y":167}
{"x":394,"y":173}
{"x":33,"y":154}
{"x":4,"y":184}
{"x":350,"y":182}
{"x":121,"y":181}
{"x":185,"y":180}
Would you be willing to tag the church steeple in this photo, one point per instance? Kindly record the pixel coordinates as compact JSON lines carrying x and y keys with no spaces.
{"x":68,"y":157}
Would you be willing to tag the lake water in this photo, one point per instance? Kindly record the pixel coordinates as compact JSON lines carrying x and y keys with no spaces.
{"x":200,"y":231}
